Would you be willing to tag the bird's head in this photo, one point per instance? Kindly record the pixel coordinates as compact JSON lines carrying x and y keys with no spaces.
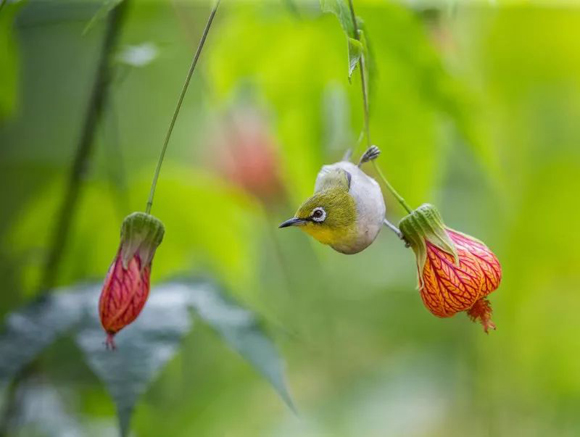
{"x":329,"y":216}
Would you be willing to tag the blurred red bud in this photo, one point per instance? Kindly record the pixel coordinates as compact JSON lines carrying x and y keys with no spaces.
{"x":247,"y":155}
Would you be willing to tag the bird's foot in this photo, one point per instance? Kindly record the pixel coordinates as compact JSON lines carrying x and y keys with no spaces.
{"x":371,"y":154}
{"x":394,"y":228}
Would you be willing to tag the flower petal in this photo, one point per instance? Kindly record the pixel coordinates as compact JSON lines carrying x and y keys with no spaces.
{"x":487,"y":261}
{"x":124,"y":294}
{"x":448,"y":287}
{"x":482,"y":311}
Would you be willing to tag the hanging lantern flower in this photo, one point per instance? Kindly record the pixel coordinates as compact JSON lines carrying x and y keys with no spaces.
{"x":126,"y":286}
{"x":456,"y":271}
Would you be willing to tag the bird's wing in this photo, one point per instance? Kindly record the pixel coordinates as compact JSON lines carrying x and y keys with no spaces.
{"x":332,"y":177}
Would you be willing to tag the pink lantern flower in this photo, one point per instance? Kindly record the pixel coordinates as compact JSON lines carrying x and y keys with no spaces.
{"x":127,"y":283}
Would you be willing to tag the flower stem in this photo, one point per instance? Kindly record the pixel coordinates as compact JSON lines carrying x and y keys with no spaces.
{"x":179,"y":103}
{"x":12,"y":402}
{"x":391,"y":189}
{"x":363,"y":81}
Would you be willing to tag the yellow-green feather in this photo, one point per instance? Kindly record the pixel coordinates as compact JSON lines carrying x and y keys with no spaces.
{"x":339,"y":228}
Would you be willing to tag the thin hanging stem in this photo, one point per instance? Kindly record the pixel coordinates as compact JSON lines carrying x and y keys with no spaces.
{"x":365,"y":95}
{"x":178,"y":107}
{"x":391,"y":189}
{"x":361,"y":65}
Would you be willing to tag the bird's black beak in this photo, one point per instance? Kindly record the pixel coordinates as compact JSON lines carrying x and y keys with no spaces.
{"x":294,"y":221}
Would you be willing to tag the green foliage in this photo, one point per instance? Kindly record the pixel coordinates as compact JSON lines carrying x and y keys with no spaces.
{"x":105,"y":7}
{"x":187,"y":202}
{"x":240,"y":330}
{"x":292,"y":82}
{"x":8,"y":60}
{"x":409,"y":87}
{"x":355,"y":53}
{"x":472,"y":111}
{"x":342,"y":12}
{"x":356,"y":48}
{"x":145,"y":346}
{"x":30,"y":330}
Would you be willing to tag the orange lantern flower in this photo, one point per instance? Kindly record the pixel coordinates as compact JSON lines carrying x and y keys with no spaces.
{"x":126,"y":286}
{"x":456,"y":271}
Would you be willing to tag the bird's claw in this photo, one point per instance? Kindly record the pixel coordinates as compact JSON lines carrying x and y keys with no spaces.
{"x":371,"y":154}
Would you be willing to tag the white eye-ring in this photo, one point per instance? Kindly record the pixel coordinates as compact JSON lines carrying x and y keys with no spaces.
{"x":318,"y":214}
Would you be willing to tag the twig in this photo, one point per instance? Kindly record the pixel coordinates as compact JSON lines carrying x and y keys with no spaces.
{"x":96,"y":104}
{"x":65,"y":217}
{"x":361,"y":65}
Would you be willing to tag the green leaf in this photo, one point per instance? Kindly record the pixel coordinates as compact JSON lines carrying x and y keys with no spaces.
{"x":241,"y":330}
{"x":355,"y":53}
{"x":342,"y":12}
{"x":145,"y":346}
{"x":42,"y":411}
{"x":142,"y":348}
{"x":357,"y":47}
{"x":106,"y":7}
{"x":28,"y":331}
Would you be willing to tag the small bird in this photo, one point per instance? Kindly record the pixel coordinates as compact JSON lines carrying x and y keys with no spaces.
{"x":347,"y":210}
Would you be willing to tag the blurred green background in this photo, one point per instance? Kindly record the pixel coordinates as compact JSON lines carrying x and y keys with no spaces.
{"x":475,"y":108}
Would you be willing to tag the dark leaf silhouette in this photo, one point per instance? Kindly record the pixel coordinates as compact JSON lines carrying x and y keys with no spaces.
{"x":241,"y":330}
{"x":29,"y":330}
{"x":144,"y":347}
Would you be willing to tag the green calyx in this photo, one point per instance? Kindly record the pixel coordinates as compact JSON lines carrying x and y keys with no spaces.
{"x":140,"y":233}
{"x":422,"y":225}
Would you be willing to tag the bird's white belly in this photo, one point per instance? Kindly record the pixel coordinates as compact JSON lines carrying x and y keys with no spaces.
{"x":370,"y":206}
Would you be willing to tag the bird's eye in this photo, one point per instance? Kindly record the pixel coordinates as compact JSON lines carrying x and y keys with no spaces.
{"x":318,"y":214}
